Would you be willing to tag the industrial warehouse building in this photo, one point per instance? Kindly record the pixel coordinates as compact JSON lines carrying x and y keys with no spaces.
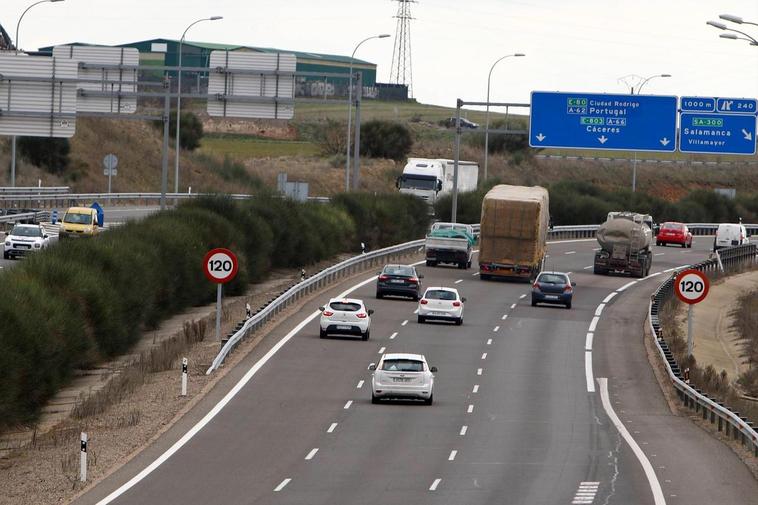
{"x":165,"y":52}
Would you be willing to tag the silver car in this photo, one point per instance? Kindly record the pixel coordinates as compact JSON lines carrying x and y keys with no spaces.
{"x":402,"y":376}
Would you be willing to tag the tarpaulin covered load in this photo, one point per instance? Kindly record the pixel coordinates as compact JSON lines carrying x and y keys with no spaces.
{"x":514,"y":225}
{"x":624,"y":233}
{"x":451,"y":233}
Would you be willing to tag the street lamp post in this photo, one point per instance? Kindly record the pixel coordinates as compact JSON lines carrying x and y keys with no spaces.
{"x":737,"y":20}
{"x":350,"y":107}
{"x":13,"y":138}
{"x":179,"y":98}
{"x":487,"y":125}
{"x":643,"y":81}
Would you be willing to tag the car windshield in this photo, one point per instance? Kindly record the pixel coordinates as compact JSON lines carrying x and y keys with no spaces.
{"x":76,"y":218}
{"x":403,"y":365}
{"x":553,"y":279}
{"x":26,"y":231}
{"x":398,"y":270}
{"x":345,"y":306}
{"x":418,"y":182}
{"x":439,"y":294}
{"x":672,"y":226}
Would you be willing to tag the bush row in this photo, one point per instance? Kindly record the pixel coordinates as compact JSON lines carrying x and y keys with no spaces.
{"x":87,"y":300}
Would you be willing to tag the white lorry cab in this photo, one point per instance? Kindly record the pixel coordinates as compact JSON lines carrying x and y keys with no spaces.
{"x":728,"y":235}
{"x":430,"y":179}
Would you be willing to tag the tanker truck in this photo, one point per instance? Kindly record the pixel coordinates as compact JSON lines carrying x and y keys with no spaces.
{"x":624,"y":245}
{"x":513,"y":235}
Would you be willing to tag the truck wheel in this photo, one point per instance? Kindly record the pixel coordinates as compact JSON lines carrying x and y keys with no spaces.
{"x":468,"y":265}
{"x":462,"y":266}
{"x":599,"y":271}
{"x":484,"y":277}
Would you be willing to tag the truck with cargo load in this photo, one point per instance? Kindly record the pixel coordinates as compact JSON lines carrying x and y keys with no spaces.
{"x":513,"y":233}
{"x":429,"y":179}
{"x":624,"y":241}
{"x":450,"y":243}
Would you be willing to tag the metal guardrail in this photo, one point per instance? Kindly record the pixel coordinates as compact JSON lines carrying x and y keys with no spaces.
{"x":306,"y":287}
{"x":34,"y":190}
{"x":35,"y":217}
{"x":736,"y":426}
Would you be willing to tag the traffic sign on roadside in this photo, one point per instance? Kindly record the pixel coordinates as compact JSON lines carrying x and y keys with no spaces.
{"x":691,"y":286}
{"x":718,"y":125}
{"x":603,"y":121}
{"x":220,"y":265}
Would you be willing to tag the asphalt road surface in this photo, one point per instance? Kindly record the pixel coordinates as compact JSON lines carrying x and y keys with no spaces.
{"x":519,"y":414}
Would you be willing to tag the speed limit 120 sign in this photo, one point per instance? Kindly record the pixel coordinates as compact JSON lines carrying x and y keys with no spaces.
{"x":220,"y":265}
{"x":691,"y":286}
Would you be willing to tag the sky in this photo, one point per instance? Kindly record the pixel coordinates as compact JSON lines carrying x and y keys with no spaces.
{"x":570,"y":45}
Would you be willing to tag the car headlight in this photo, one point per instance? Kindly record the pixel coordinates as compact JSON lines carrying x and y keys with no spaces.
{"x":8,"y":243}
{"x":37,"y":245}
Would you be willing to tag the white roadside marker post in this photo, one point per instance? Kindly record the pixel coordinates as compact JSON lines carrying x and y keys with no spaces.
{"x":83,"y":458}
{"x":184,"y":376}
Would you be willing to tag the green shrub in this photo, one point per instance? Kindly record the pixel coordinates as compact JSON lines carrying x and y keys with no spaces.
{"x":385,"y":139}
{"x":191,"y":132}
{"x":48,"y":153}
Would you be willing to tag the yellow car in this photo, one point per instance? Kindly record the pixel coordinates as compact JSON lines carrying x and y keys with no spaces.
{"x":79,"y":222}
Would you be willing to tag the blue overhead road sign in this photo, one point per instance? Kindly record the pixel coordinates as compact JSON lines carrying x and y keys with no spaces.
{"x":603,"y":121}
{"x":718,"y":125}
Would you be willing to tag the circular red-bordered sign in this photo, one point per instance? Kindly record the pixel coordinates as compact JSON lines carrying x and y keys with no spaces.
{"x":691,"y":286}
{"x":220,"y":265}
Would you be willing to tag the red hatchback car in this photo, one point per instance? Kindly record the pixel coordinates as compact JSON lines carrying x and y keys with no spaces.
{"x":674,"y":233}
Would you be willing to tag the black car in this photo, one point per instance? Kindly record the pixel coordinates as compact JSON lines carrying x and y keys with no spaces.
{"x":401,"y":280}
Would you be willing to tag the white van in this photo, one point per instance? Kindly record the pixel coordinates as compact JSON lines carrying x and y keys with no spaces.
{"x":728,"y":235}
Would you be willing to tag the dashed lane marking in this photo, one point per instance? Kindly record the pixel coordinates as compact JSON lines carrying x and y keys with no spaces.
{"x":570,"y":252}
{"x":599,"y":309}
{"x":522,"y":297}
{"x":404,"y":323}
{"x":434,"y":485}
{"x":484,"y":355}
{"x":360,"y":385}
{"x":392,"y":337}
{"x":458,"y":281}
{"x":332,"y":428}
{"x":470,"y":409}
{"x":496,"y":329}
{"x":588,"y":342}
{"x":312,"y":453}
{"x":593,"y":323}
{"x":587,"y":268}
{"x":513,"y":306}
{"x":452,"y":455}
{"x":489,"y":341}
{"x":588,"y":371}
{"x":505,"y":316}
{"x":281,"y":485}
{"x":475,"y":389}
{"x":347,"y":405}
{"x":479,"y":371}
{"x":381,"y":350}
{"x":463,"y":431}
{"x":610,"y":297}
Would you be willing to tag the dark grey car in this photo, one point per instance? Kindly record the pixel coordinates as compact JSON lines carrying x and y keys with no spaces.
{"x":400,"y":280}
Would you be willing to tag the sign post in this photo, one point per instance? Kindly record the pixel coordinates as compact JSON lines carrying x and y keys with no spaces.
{"x":220,"y":266}
{"x":110,"y":162}
{"x":691,"y":287}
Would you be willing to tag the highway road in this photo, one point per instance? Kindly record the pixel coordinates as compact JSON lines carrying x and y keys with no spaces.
{"x":529,"y":409}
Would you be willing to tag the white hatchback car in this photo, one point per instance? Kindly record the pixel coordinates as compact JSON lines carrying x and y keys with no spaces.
{"x":24,"y":239}
{"x":402,"y":376}
{"x":345,"y":316}
{"x":443,"y":304}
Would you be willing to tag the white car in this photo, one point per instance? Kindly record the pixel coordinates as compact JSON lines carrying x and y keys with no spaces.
{"x":442,"y":304}
{"x":345,"y":316}
{"x":402,"y":376}
{"x":728,"y":235}
{"x":23,"y":239}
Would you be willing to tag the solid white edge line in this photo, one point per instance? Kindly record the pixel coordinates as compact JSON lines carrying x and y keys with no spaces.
{"x":331,"y":428}
{"x":625,"y":286}
{"x":312,"y":453}
{"x":599,"y":309}
{"x":610,"y":297}
{"x":593,"y":323}
{"x":282,"y":484}
{"x":588,"y":371}
{"x":655,"y":486}
{"x":588,"y":342}
{"x":225,"y":400}
{"x":434,"y":485}
{"x":453,"y":453}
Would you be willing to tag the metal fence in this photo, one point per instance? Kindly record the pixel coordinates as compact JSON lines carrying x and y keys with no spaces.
{"x":735,"y":426}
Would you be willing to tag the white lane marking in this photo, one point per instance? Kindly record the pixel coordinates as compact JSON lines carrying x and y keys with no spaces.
{"x":226,"y":399}
{"x":415,"y":311}
{"x":599,"y":309}
{"x":587,"y":268}
{"x":434,"y":485}
{"x":404,"y":323}
{"x":659,"y":254}
{"x":588,"y":371}
{"x":609,"y":297}
{"x":522,"y":297}
{"x":653,"y":275}
{"x":655,"y":486}
{"x":312,"y":453}
{"x":593,"y":323}
{"x":474,"y":274}
{"x":588,"y":342}
{"x":484,"y":355}
{"x":470,"y":409}
{"x":505,"y":316}
{"x":452,"y":455}
{"x":569,"y":273}
{"x":331,"y":428}
{"x":392,"y":337}
{"x":281,"y":485}
{"x":570,"y":252}
{"x":458,"y":281}
{"x":513,"y":306}
{"x":360,"y":385}
{"x":479,"y":371}
{"x":670,"y":269}
{"x":596,"y":249}
{"x":347,"y":405}
{"x":476,"y":388}
{"x":489,"y":341}
{"x":627,"y":285}
{"x":464,"y":429}
{"x":381,"y":350}
{"x":496,"y":329}
{"x":571,"y":241}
